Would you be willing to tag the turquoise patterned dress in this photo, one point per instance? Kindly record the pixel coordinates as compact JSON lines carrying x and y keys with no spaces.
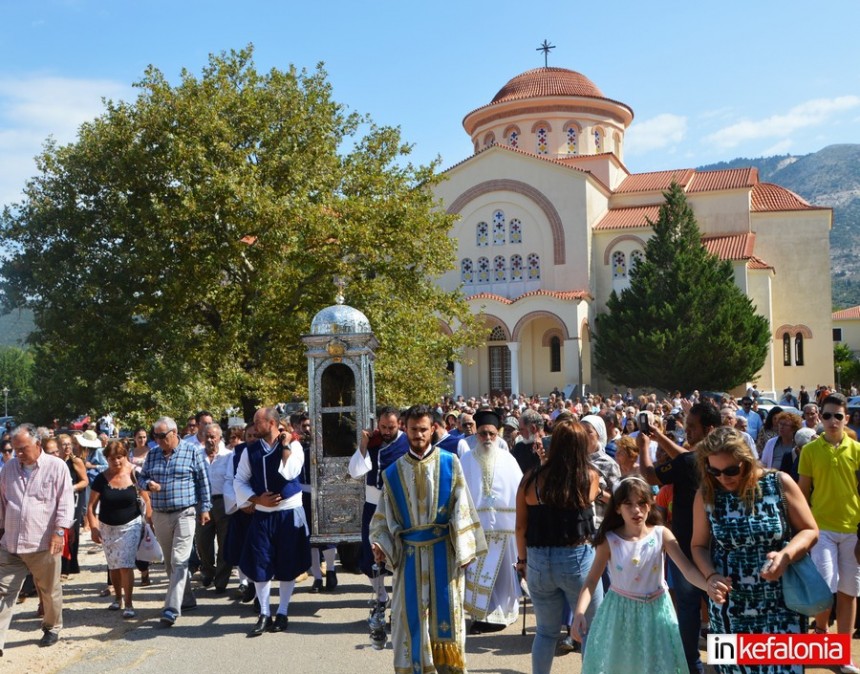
{"x":635,"y":629}
{"x":740,"y":541}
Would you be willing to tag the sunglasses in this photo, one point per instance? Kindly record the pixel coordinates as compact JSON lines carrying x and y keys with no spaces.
{"x":834,"y":415}
{"x":161,"y":436}
{"x":731,"y":471}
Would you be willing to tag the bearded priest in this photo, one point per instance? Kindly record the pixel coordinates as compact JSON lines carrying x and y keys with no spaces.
{"x":493,"y":476}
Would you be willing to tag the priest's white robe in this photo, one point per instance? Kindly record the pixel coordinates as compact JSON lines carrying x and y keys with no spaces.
{"x":492,"y":587}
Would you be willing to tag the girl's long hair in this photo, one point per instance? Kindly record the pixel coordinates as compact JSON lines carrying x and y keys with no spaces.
{"x":566,"y":479}
{"x":634,"y":489}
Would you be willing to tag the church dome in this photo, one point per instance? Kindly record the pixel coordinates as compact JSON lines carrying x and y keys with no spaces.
{"x":339,"y":319}
{"x":547,"y":82}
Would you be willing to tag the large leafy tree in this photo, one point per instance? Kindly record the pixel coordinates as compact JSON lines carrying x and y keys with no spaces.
{"x":176,"y":252}
{"x":683,"y":323}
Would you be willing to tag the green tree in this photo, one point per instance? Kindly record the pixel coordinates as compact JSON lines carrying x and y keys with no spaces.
{"x":176,"y":252}
{"x":16,"y":376}
{"x":683,"y":323}
{"x":847,"y":365}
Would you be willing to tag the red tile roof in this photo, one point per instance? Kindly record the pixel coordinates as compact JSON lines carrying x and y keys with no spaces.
{"x":552,"y":159}
{"x":757,"y":263}
{"x":547,"y":82}
{"x":655,"y":181}
{"x":557,"y":294}
{"x":770,"y":197}
{"x":846,"y":314}
{"x":729,"y":179}
{"x":627,"y":218}
{"x":731,"y":246}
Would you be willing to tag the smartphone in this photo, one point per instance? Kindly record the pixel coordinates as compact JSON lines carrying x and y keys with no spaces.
{"x":644,"y":426}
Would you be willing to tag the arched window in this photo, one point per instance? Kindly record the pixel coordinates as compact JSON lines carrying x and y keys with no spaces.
{"x":616,"y":138}
{"x":497,"y":334}
{"x":598,"y":140}
{"x":499,"y":229}
{"x":572,"y":135}
{"x":636,"y":257}
{"x":483,"y":270}
{"x":516,"y":230}
{"x":477,"y":147}
{"x":512,"y":135}
{"x":554,"y":354}
{"x":533,"y":261}
{"x":466,"y":271}
{"x":542,"y":140}
{"x":482,"y":235}
{"x":619,"y":265}
{"x":500,"y":269}
{"x":798,"y":349}
{"x":516,"y":267}
{"x":786,"y":349}
{"x":489,"y":139}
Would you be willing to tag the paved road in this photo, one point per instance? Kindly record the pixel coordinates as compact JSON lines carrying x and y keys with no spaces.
{"x":328,"y":633}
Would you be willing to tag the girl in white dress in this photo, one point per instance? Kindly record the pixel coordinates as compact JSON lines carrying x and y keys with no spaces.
{"x":635,"y":629}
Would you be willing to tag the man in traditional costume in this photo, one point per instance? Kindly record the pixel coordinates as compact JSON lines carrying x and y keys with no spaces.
{"x":493,"y":476}
{"x":426,"y":528}
{"x":277,"y":544}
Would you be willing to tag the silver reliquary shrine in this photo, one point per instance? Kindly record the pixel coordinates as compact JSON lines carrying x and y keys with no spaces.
{"x":341,"y":395}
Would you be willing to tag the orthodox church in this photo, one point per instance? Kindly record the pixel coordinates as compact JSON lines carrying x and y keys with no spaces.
{"x":551,"y":220}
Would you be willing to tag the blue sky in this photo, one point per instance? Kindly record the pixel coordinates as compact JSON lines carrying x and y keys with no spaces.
{"x":706,"y":81}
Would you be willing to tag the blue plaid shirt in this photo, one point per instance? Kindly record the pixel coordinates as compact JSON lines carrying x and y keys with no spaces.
{"x":183,"y":478}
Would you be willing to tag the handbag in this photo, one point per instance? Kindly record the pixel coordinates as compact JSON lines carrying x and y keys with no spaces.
{"x":148,"y":550}
{"x":803,"y":589}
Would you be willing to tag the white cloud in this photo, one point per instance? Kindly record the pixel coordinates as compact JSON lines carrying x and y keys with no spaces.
{"x":662,"y":131}
{"x":811,"y":113}
{"x":780,"y":147}
{"x":33,"y":108}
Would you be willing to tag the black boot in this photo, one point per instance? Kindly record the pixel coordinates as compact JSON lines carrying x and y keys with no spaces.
{"x":264,"y":623}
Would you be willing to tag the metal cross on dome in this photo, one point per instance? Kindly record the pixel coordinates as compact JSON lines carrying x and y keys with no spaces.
{"x":545,"y":48}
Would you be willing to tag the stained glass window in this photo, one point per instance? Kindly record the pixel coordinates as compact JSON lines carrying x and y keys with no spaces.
{"x":466,"y":273}
{"x":489,"y":139}
{"x":598,"y":141}
{"x":798,"y":349}
{"x":619,"y":265}
{"x":516,"y":230}
{"x":786,"y":349}
{"x":500,"y":269}
{"x":514,"y":138}
{"x":499,"y":228}
{"x":542,"y":140}
{"x":534,"y":266}
{"x":516,"y":267}
{"x":636,"y":257}
{"x":483,"y":270}
{"x":482,"y":235}
{"x":571,"y":140}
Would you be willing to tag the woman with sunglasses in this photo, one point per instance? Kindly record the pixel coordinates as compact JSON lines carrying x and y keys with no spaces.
{"x":742,"y":542}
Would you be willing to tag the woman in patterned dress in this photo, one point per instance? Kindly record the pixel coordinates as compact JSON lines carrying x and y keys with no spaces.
{"x":742,"y":543}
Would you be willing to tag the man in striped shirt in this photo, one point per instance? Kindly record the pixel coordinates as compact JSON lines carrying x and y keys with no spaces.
{"x":36,"y":508}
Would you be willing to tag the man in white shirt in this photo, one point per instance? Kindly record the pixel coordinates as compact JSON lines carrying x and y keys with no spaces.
{"x":218,"y":460}
{"x":278,"y":540}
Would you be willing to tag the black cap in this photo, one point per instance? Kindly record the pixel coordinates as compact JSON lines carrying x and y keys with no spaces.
{"x":487,"y":417}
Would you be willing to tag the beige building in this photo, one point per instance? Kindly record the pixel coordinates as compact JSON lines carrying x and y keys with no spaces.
{"x":551,"y":221}
{"x":846,"y":328}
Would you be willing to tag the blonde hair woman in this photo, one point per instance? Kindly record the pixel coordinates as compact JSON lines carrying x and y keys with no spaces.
{"x":742,"y":538}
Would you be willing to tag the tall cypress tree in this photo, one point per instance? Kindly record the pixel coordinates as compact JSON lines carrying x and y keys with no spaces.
{"x":683,"y":323}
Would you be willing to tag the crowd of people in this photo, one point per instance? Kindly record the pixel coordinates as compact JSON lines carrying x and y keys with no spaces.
{"x":469,"y":504}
